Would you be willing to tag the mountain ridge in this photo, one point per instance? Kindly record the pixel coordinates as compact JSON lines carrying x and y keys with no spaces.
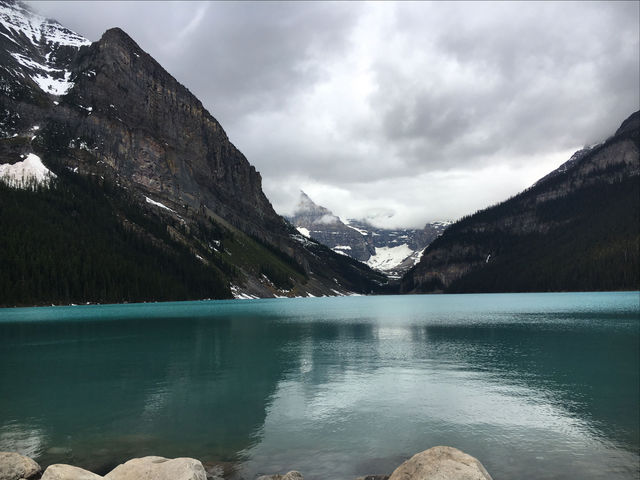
{"x":577,"y":228}
{"x":124,"y":122}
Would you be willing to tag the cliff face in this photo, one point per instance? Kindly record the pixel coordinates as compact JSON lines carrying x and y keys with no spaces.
{"x":576,"y":228}
{"x":135,"y":119}
{"x":108,"y":110}
{"x":153,"y":131}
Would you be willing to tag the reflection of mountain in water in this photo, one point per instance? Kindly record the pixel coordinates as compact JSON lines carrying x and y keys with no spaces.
{"x":153,"y":387}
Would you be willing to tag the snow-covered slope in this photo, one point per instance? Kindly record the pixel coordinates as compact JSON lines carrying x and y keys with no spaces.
{"x":27,"y":173}
{"x":36,"y":48}
{"x":387,"y":258}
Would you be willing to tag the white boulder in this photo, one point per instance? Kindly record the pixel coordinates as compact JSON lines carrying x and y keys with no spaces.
{"x":441,"y":463}
{"x":61,"y":471}
{"x":158,"y":468}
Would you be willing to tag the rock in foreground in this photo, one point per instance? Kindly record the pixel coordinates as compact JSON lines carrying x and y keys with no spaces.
{"x":68,"y":472}
{"x":158,"y":468}
{"x":292,"y":475}
{"x":441,"y":463}
{"x":14,"y":466}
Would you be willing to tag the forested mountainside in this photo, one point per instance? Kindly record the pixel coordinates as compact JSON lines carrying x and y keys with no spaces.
{"x":391,"y":251}
{"x":578,"y":228}
{"x":120,"y":186}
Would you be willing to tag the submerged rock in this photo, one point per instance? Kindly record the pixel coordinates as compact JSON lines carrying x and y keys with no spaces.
{"x":158,"y":468}
{"x":214,"y":471}
{"x":292,"y":475}
{"x":441,"y":463}
{"x":67,"y":472}
{"x":374,"y":477}
{"x":14,"y":466}
{"x":59,"y":451}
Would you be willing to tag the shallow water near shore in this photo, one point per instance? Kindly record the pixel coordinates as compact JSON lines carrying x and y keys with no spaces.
{"x":538,"y":385}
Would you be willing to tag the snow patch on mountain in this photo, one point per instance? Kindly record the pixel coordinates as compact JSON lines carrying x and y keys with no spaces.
{"x":387,"y":258}
{"x":29,"y":172}
{"x":54,"y":86}
{"x":55,"y":81}
{"x":158,"y":204}
{"x":304,"y":231}
{"x":38,"y":29}
{"x":238,"y":294}
{"x":359,"y":230}
{"x":417,"y":256}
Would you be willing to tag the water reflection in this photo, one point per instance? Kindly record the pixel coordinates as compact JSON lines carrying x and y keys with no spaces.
{"x":333,"y":387}
{"x":141,"y":387}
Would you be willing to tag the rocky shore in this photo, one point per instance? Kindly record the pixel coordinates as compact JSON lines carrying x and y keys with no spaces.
{"x":437,"y":463}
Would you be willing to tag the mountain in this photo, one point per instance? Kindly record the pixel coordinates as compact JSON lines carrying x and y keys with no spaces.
{"x":321,"y":224}
{"x":578,"y":228}
{"x":182,"y":211}
{"x":392,"y":251}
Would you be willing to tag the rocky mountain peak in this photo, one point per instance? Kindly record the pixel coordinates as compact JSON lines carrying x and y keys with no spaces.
{"x":107,"y":116}
{"x":314,"y":213}
{"x":117,"y":35}
{"x":630,"y":125}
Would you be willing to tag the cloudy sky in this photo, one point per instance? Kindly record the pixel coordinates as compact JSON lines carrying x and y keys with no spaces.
{"x":400,"y":112}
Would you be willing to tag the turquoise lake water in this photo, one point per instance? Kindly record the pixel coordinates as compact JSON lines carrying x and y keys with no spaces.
{"x":537,"y":386}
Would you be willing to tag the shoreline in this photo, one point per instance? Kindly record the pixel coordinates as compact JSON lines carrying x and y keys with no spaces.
{"x":436,"y":463}
{"x":148,"y":302}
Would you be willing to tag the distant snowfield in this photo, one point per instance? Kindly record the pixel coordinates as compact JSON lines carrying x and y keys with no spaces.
{"x":25,"y":173}
{"x":387,"y":258}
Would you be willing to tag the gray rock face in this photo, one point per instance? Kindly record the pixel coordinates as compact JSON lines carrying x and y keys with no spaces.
{"x":68,"y":472}
{"x":151,"y":129}
{"x":158,"y":468}
{"x":292,"y":475}
{"x":441,"y":463}
{"x":14,"y":466}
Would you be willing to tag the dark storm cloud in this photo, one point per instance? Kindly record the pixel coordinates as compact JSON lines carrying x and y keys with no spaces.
{"x":508,"y":77}
{"x":238,"y":57}
{"x":393,"y":106}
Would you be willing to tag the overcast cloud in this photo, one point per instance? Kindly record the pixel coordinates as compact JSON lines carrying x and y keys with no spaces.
{"x":399,"y":112}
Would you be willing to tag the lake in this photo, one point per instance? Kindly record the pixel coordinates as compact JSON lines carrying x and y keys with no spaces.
{"x":538,"y":386}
